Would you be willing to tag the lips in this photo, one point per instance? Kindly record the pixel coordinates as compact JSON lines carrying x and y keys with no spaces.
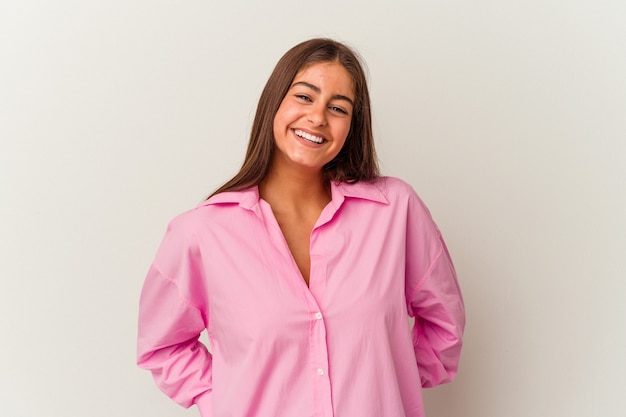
{"x":309,"y":137}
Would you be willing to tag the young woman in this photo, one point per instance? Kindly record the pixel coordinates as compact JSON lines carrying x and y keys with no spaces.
{"x":304,"y":268}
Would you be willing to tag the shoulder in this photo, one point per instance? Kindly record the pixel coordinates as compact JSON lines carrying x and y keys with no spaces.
{"x":223,"y":207}
{"x":181,"y":231}
{"x":397,"y":190}
{"x":402,"y":195}
{"x":392,"y":186}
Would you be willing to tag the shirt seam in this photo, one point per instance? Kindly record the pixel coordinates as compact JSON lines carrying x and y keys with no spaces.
{"x":175,"y":284}
{"x":426,"y":275}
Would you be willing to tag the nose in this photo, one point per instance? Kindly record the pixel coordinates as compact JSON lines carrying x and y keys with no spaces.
{"x":317,"y":114}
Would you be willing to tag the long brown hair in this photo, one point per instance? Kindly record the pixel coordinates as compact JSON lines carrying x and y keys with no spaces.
{"x":357,"y":159}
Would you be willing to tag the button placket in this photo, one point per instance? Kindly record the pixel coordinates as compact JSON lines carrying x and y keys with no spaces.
{"x":319,"y":351}
{"x":319,"y":346}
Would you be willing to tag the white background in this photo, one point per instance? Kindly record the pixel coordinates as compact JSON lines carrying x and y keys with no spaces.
{"x":509,"y":119}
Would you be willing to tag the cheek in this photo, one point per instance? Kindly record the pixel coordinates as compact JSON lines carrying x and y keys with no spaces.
{"x":345,"y":131}
{"x":280,"y":123}
{"x":283,"y":117}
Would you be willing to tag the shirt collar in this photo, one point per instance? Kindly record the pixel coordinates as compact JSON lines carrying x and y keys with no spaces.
{"x":364,"y":190}
{"x":249,"y":198}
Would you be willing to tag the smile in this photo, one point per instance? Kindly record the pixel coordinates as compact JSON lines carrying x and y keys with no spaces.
{"x":308,"y":136}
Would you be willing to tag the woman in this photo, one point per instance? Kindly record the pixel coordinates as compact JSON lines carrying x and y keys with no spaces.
{"x":304,"y":268}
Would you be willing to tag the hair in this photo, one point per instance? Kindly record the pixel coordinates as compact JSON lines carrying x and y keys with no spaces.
{"x":356,"y":161}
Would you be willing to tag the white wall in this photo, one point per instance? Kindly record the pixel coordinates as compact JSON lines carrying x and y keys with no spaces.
{"x":507,"y":117}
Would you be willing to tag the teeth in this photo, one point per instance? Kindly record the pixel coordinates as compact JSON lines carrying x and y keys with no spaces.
{"x":309,"y":137}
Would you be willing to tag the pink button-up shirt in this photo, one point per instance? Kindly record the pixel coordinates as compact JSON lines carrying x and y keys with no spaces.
{"x":342,"y":346}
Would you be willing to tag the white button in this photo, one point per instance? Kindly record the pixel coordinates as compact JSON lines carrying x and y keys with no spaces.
{"x":320,"y":371}
{"x":318,"y":315}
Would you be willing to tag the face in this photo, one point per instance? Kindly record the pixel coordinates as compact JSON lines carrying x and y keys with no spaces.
{"x":313,"y":120}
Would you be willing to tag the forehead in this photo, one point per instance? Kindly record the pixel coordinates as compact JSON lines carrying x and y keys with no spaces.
{"x":327,"y":75}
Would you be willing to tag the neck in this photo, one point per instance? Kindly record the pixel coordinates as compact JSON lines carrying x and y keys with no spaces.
{"x":298,"y":191}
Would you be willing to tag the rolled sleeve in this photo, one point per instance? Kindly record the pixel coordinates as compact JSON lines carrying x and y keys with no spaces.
{"x":434,"y":298}
{"x":437,"y":306}
{"x":170,"y":323}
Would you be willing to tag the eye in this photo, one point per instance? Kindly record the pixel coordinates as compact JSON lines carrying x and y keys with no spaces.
{"x":338,"y":109}
{"x":303,"y":97}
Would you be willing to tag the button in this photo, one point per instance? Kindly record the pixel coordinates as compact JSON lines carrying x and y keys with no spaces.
{"x":318,"y":315}
{"x":320,"y":371}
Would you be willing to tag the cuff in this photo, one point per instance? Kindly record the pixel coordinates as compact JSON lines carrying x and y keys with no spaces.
{"x":204,"y":402}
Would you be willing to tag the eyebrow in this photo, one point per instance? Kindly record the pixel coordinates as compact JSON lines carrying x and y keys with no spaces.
{"x":318,"y":90}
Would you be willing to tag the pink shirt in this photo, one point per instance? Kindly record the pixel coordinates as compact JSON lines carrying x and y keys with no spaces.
{"x":342,"y":346}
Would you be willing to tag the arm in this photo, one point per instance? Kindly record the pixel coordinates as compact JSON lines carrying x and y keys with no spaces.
{"x":434,"y":299}
{"x":170,"y":322}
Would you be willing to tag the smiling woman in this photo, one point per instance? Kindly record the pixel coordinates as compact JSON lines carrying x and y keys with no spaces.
{"x":356,"y":161}
{"x":305,"y":268}
{"x":313,"y":120}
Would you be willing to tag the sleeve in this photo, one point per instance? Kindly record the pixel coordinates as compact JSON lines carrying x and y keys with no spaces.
{"x":434,"y":299}
{"x":172,"y":314}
